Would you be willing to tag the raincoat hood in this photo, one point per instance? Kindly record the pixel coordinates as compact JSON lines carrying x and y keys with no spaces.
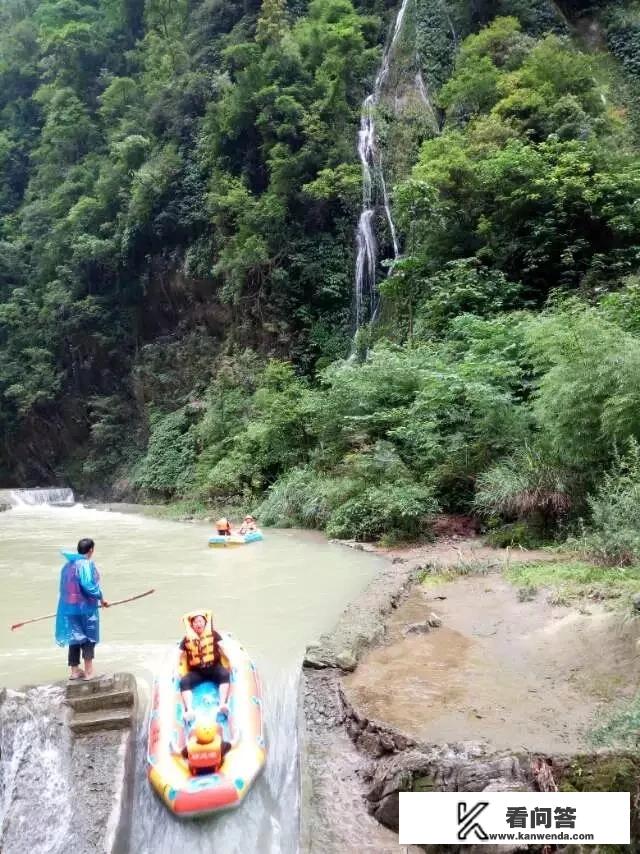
{"x":71,"y":556}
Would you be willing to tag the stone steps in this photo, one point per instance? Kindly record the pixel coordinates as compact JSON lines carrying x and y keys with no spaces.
{"x":107,"y":700}
{"x":105,"y":703}
{"x":85,"y":723}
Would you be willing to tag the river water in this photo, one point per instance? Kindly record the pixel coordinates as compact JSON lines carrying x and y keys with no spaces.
{"x":276,"y":596}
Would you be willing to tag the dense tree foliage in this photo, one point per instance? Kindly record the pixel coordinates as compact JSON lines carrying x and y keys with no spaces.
{"x":157,"y":160}
{"x":179,"y":188}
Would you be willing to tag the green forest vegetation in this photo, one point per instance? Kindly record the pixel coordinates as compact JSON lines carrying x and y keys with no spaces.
{"x":179,"y":189}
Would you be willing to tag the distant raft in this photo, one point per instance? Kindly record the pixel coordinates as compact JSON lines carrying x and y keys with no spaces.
{"x":184,"y":793}
{"x":218,"y":541}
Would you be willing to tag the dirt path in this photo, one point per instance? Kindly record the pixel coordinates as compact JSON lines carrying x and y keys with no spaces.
{"x":514,"y":674}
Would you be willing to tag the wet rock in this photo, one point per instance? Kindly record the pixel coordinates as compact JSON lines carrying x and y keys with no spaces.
{"x":4,"y":506}
{"x":636,"y":602}
{"x":433,"y":621}
{"x":397,"y":559}
{"x":417,"y":628}
{"x":319,"y":658}
{"x":346,"y":660}
{"x":316,"y":658}
{"x":455,"y":768}
{"x":369,"y":743}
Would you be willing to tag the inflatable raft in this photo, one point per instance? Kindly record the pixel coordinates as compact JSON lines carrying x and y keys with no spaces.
{"x":222,"y":541}
{"x":184,"y":793}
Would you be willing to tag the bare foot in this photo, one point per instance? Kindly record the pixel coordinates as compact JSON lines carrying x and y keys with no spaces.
{"x":76,"y":673}
{"x":88,"y":670}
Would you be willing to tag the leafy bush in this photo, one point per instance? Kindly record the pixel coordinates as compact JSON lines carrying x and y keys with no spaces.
{"x":588,"y":397}
{"x":367,"y":496}
{"x":167,"y":468}
{"x":515,"y":534}
{"x":298,"y":498}
{"x":614,"y":534}
{"x":400,"y":509}
{"x":461,"y":287}
{"x":622,"y":728}
{"x":525,"y":486}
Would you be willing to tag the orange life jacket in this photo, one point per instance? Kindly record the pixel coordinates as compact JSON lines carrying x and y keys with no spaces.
{"x":202,"y":650}
{"x":223,"y":527}
{"x":205,"y":757}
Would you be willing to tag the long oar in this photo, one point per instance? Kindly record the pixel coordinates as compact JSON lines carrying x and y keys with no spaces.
{"x":111,"y":605}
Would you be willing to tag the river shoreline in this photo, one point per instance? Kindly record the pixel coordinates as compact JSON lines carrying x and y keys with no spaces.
{"x":354,"y":762}
{"x":354,"y":765}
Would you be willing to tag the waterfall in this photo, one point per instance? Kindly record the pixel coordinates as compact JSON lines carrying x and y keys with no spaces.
{"x":36,"y":801}
{"x":57,"y":497}
{"x":372,"y":180}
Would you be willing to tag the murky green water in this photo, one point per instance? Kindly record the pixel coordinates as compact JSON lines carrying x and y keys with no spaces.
{"x":276,"y":596}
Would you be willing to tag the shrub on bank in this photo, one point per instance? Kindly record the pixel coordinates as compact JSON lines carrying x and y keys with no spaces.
{"x":347,"y":507}
{"x":400,"y":511}
{"x":614,"y":534}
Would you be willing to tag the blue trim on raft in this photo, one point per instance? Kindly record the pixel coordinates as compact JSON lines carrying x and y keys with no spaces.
{"x":251,"y":537}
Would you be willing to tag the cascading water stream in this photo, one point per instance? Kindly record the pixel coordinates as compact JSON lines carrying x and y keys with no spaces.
{"x":372,"y":179}
{"x":36,"y":804}
{"x":55,"y":496}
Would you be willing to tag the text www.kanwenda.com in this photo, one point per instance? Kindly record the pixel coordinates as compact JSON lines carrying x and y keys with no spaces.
{"x":541,"y":837}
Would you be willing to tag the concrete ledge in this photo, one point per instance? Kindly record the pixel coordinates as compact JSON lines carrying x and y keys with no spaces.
{"x":71,"y":768}
{"x":102,"y":718}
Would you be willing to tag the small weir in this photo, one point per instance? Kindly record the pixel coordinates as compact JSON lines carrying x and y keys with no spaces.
{"x":52,"y":496}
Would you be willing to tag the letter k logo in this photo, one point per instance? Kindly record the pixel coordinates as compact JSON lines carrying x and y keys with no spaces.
{"x":467,"y":820}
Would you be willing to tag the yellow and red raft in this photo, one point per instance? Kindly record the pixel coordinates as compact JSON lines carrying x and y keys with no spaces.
{"x":187,"y":794}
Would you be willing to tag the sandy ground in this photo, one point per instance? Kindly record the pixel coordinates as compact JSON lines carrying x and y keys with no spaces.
{"x":514,"y":674}
{"x":451,"y":552}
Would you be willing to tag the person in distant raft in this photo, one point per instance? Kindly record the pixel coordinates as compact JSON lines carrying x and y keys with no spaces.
{"x":223,"y":527}
{"x":78,"y":614}
{"x":201,"y":645}
{"x":248,"y":525}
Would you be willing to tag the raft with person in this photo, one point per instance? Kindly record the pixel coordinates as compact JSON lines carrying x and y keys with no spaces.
{"x":208,"y":764}
{"x":225,"y":536}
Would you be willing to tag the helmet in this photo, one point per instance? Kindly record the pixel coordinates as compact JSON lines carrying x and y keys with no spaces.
{"x":206,"y":730}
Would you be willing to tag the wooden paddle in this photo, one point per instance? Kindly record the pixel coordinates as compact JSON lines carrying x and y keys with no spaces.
{"x":111,"y":604}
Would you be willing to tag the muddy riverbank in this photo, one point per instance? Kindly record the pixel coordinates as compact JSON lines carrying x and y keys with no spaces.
{"x":500,"y":696}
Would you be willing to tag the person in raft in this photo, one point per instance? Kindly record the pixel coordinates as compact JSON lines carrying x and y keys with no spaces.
{"x":78,"y":614}
{"x":248,"y":525}
{"x":201,"y":645}
{"x":223,"y":527}
{"x":206,"y":748}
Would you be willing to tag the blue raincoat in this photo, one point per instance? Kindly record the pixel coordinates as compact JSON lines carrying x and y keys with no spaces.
{"x":78,"y":614}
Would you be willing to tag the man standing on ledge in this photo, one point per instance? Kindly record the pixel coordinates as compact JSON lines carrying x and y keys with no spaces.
{"x":78,"y":615}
